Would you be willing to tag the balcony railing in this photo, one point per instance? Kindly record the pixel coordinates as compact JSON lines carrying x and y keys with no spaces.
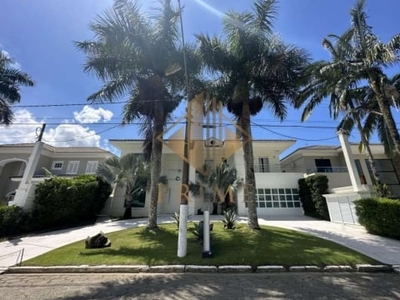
{"x":264,"y":168}
{"x":334,"y":169}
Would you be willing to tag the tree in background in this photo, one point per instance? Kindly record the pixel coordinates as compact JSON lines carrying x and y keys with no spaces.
{"x":11,"y":80}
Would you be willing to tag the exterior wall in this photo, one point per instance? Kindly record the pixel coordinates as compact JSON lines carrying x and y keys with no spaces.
{"x":336,"y":180}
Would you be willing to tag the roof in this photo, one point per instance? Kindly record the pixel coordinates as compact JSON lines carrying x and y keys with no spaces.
{"x":59,"y":149}
{"x":324,"y":147}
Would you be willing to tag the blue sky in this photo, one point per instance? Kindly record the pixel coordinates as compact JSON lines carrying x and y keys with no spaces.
{"x":39,"y":35}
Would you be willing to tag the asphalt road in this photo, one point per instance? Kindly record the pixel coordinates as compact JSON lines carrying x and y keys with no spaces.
{"x":200,"y":286}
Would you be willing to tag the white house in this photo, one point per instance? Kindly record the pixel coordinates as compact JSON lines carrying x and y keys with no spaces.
{"x":330,"y":161}
{"x":277,"y":191}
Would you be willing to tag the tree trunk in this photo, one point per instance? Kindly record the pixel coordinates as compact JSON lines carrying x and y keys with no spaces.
{"x":384,"y":107}
{"x":250,"y":180}
{"x":128,"y":206}
{"x":370,"y":156}
{"x":156,"y":157}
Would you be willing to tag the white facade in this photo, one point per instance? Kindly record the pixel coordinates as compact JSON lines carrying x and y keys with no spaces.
{"x":330,"y":161}
{"x":277,"y":192}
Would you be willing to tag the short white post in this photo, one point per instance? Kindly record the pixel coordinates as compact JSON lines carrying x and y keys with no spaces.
{"x":206,"y":232}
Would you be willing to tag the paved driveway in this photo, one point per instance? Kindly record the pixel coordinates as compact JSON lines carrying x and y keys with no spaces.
{"x":355,"y":237}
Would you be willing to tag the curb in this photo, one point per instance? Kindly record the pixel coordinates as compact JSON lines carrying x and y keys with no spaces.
{"x":364,"y":268}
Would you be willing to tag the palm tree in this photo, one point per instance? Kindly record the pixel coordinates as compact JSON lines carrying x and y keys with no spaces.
{"x":140,"y":57}
{"x":129,"y":172}
{"x":331,"y":79}
{"x":11,"y":79}
{"x":220,"y":183}
{"x":254,"y":69}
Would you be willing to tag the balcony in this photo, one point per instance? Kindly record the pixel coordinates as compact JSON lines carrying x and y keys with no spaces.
{"x":267,"y":168}
{"x":333,"y":169}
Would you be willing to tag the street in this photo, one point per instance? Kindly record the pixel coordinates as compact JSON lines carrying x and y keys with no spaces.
{"x":200,"y":286}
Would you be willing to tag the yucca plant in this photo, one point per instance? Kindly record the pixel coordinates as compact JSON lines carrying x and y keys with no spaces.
{"x":198,"y":230}
{"x":175,"y":217}
{"x":229,"y":219}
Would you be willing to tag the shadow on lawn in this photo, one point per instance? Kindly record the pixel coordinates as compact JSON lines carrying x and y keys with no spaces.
{"x":241,"y":286}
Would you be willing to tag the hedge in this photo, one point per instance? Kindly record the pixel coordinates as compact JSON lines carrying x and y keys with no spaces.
{"x":311,"y":190}
{"x":13,"y":220}
{"x":379,"y":216}
{"x":67,"y":202}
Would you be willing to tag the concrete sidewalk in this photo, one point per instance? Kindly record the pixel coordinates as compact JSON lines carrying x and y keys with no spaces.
{"x":355,"y":237}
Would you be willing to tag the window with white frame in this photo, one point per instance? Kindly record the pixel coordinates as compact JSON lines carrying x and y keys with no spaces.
{"x":57,"y":165}
{"x":91,"y":167}
{"x":278,"y":198}
{"x":72,"y":167}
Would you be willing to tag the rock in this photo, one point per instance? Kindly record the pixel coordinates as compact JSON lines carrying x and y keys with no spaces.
{"x":97,"y":241}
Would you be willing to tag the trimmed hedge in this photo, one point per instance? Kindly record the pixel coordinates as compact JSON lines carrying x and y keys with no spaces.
{"x":13,"y":220}
{"x":379,"y":216}
{"x":311,"y":190}
{"x":68,"y":202}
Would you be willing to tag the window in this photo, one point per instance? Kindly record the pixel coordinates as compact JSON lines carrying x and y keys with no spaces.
{"x":139,"y":198}
{"x":72,"y":167}
{"x":57,"y":165}
{"x":263,"y":163}
{"x":278,"y":198}
{"x":91,"y":167}
{"x":323,"y":165}
{"x":386,"y":173}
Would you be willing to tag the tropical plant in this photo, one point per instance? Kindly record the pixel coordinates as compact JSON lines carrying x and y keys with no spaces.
{"x":175,"y":217}
{"x":365,"y":60}
{"x":219,"y":183}
{"x":140,"y":57}
{"x":198,"y":230}
{"x":254,"y":68}
{"x":229,"y":219}
{"x":130,"y":172}
{"x":11,"y":79}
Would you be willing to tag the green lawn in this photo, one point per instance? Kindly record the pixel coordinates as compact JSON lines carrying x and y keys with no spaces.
{"x":268,"y":246}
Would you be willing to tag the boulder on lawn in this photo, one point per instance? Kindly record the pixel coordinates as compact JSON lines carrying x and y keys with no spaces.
{"x":97,"y":241}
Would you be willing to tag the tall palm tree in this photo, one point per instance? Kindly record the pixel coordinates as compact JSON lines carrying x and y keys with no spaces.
{"x":129,"y":172}
{"x":254,"y":69}
{"x":331,"y":79}
{"x":11,"y":79}
{"x":139,"y":57}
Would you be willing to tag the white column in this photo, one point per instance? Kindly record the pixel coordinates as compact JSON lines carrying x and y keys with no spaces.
{"x":23,"y":191}
{"x":351,"y":166}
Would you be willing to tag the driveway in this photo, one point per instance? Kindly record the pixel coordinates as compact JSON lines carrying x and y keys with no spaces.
{"x":355,"y":237}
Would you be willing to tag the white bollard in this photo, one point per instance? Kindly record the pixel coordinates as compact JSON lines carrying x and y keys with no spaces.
{"x":182,"y":237}
{"x":206,"y":232}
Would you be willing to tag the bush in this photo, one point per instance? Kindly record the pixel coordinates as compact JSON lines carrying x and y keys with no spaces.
{"x":311,"y":190}
{"x":379,"y":216}
{"x":68,"y":202}
{"x":13,"y":220}
{"x":229,"y":219}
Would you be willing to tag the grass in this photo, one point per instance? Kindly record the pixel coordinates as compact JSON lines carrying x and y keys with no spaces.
{"x":268,"y":246}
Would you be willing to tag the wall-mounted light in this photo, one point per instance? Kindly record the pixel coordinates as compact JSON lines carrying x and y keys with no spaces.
{"x":177,"y":178}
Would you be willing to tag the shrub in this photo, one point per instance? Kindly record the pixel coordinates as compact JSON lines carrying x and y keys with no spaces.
{"x":67,"y":202}
{"x":13,"y":220}
{"x":198,"y":230}
{"x":311,"y":190}
{"x":379,"y":216}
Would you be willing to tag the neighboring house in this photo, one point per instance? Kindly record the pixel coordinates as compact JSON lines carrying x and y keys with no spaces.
{"x":277,"y":191}
{"x":60,"y":161}
{"x":329,"y":161}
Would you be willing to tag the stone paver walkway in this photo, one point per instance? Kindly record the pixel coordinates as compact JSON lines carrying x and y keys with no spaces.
{"x":200,"y":286}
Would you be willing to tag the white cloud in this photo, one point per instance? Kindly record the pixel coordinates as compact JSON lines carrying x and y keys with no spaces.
{"x":26,"y":129}
{"x":91,"y":115}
